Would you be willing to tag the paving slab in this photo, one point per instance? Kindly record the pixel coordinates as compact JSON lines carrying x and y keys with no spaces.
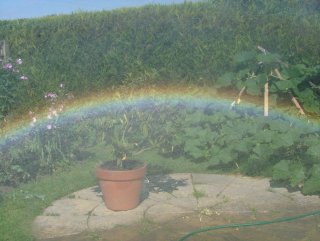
{"x":166,"y":197}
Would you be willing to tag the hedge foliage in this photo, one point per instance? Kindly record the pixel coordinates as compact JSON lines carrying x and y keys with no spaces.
{"x":189,"y":42}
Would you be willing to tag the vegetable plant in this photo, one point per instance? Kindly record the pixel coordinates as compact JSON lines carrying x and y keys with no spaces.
{"x":253,"y":68}
{"x":238,"y":139}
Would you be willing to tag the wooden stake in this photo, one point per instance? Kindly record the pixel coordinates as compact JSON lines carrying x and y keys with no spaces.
{"x":238,"y":100}
{"x":239,"y":95}
{"x":266,"y":99}
{"x":277,"y":74}
{"x":296,"y":103}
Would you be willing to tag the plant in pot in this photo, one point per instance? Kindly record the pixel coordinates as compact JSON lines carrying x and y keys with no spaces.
{"x":121,"y":180}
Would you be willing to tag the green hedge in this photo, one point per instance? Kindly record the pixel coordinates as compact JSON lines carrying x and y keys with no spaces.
{"x":189,"y":42}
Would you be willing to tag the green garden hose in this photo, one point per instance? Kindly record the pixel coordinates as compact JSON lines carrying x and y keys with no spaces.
{"x":239,"y":225}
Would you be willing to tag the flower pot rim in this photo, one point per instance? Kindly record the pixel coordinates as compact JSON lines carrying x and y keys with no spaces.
{"x":141,"y":165}
{"x":103,"y":173}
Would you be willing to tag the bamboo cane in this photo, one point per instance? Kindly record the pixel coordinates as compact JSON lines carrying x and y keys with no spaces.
{"x":296,"y":102}
{"x":266,"y":99}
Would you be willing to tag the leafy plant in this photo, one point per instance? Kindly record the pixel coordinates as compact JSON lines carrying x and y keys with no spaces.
{"x":130,"y":133}
{"x":253,"y":69}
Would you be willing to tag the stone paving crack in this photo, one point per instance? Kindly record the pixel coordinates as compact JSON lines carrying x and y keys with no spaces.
{"x":89,"y":216}
{"x":226,"y":186}
{"x":194,"y":190}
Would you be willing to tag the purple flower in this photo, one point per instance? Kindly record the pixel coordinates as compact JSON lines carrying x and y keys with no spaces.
{"x":8,"y":66}
{"x":51,"y":95}
{"x":19,"y":61}
{"x":23,"y":77}
{"x":49,"y":126}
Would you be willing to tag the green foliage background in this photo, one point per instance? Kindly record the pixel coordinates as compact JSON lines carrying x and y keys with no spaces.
{"x":189,"y":42}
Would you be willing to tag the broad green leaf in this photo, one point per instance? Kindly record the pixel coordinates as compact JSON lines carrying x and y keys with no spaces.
{"x":265,"y":136}
{"x":225,"y":80}
{"x":214,"y":151}
{"x":245,"y":145}
{"x":268,"y":58}
{"x":194,"y":118}
{"x":252,"y":87}
{"x":196,"y":153}
{"x":279,"y":126}
{"x":314,"y":150}
{"x":216,"y":118}
{"x":281,"y":141}
{"x":297,"y":174}
{"x":261,"y":78}
{"x":242,"y":146}
{"x":305,"y":95}
{"x":281,"y":170}
{"x":311,"y":140}
{"x":228,"y":135}
{"x":263,"y":151}
{"x":312,"y":185}
{"x":243,"y":73}
{"x":296,"y":70}
{"x":284,"y":85}
{"x":226,"y":155}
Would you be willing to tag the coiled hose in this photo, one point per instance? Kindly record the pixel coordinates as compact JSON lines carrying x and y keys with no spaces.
{"x":259,"y":223}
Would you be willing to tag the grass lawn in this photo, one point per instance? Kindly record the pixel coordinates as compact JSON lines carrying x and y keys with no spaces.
{"x":20,"y":206}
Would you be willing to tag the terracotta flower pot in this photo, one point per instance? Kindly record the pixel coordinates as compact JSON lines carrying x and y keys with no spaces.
{"x":121,"y":189}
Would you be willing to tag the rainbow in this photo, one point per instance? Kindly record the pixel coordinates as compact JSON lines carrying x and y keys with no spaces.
{"x":98,"y":104}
